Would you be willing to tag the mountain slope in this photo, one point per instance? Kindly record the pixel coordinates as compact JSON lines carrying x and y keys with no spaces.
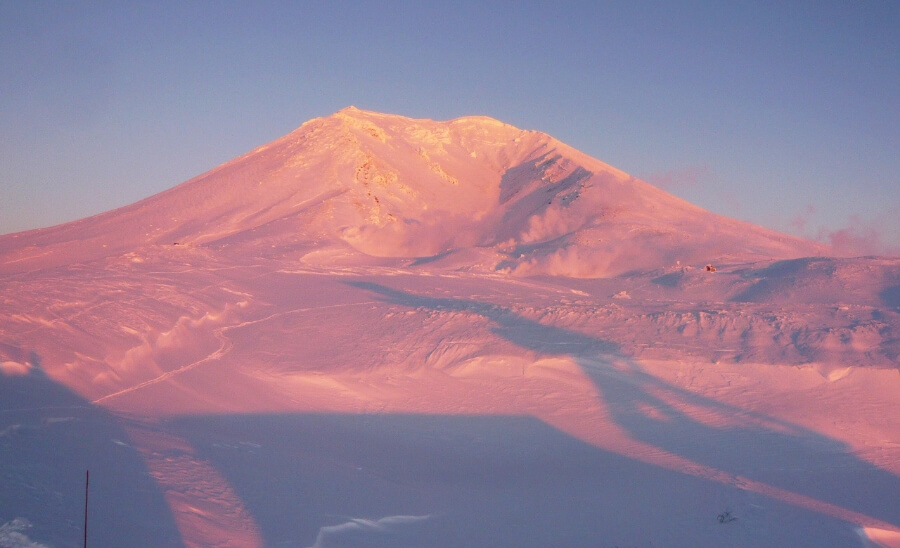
{"x":473,"y":192}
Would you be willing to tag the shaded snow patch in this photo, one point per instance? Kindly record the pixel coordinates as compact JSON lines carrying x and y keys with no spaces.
{"x":11,"y":535}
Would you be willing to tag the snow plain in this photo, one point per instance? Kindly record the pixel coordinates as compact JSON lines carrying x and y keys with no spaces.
{"x":379,"y":331}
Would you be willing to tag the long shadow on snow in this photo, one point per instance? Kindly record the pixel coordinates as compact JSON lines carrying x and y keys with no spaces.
{"x":406,"y":481}
{"x":764,"y":449}
{"x":49,"y":436}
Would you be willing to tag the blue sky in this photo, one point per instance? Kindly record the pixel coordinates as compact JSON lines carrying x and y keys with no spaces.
{"x":783,"y":114}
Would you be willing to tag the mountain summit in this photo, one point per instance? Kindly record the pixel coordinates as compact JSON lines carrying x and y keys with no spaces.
{"x":360,"y":187}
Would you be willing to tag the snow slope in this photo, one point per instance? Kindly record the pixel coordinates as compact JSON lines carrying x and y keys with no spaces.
{"x":378,"y":331}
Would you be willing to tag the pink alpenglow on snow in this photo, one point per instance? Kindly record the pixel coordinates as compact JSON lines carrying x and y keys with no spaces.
{"x":381,"y":331}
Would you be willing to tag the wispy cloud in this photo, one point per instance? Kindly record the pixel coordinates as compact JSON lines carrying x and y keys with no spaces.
{"x":862,"y":237}
{"x":679,"y":179}
{"x":698,"y":184}
{"x":800,"y":223}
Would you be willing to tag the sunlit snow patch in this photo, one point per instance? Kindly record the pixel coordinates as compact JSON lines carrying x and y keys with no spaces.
{"x":881,"y":538}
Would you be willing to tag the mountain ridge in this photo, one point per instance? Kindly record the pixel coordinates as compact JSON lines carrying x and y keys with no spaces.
{"x":365,"y":184}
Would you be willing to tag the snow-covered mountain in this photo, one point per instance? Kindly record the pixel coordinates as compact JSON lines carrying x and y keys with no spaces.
{"x":470,"y":192}
{"x":379,"y":331}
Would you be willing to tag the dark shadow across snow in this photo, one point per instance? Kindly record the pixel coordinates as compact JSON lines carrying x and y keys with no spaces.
{"x":451,"y":482}
{"x":398,"y":480}
{"x":49,"y":437}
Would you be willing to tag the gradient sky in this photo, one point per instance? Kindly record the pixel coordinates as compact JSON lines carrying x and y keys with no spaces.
{"x":786,"y":114}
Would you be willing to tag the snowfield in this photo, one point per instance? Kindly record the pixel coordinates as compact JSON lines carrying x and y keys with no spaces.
{"x":379,"y":331}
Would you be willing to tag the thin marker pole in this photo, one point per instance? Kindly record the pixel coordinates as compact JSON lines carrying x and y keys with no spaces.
{"x":87,"y":481}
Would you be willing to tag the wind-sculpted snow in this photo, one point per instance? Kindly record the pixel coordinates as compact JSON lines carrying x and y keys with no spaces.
{"x":378,"y":331}
{"x":369,"y":532}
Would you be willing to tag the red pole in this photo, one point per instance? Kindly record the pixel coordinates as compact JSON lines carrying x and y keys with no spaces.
{"x":87,"y":480}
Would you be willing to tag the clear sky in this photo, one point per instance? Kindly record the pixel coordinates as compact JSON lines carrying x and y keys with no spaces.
{"x":786,"y":114}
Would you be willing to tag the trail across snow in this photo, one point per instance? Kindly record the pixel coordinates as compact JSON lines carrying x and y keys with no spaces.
{"x":226,"y":345}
